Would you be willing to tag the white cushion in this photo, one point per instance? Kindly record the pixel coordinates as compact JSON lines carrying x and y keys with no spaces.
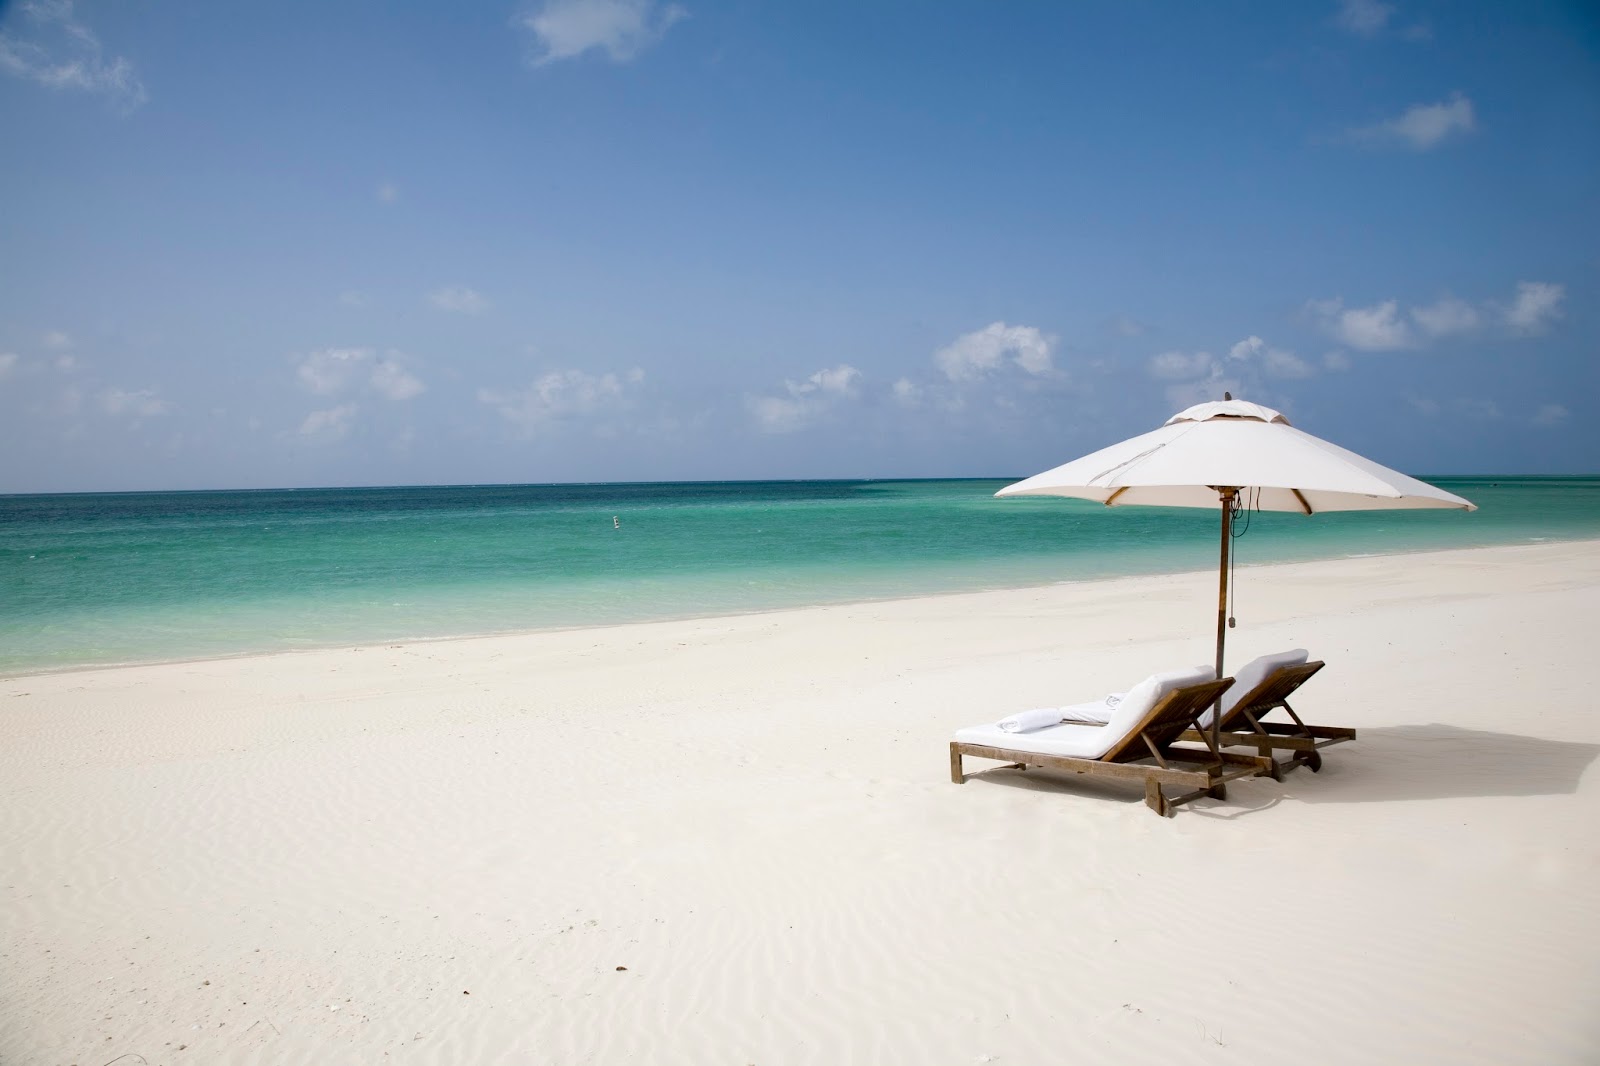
{"x":1090,"y":741}
{"x":1251,"y":674}
{"x":1096,"y":713}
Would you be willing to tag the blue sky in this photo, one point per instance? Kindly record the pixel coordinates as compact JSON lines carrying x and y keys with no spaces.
{"x":607,"y":240}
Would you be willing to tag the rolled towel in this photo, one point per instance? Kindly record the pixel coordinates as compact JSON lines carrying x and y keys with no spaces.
{"x":1028,"y":721}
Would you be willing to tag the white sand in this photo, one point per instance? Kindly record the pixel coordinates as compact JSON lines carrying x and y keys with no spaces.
{"x":316,"y":857}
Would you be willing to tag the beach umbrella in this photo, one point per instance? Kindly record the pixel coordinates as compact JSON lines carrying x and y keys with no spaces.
{"x":1235,"y":456}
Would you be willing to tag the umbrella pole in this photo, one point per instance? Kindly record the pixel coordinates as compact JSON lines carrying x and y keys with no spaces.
{"x":1227,"y":495}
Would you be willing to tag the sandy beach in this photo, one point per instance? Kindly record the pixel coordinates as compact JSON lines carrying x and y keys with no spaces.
{"x":735,"y":840}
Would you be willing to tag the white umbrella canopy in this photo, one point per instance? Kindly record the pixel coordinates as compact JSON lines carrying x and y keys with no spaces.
{"x":1239,"y":445}
{"x":1232,"y":455}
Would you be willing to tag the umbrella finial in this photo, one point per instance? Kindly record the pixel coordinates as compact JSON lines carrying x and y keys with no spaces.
{"x":1227,"y":395}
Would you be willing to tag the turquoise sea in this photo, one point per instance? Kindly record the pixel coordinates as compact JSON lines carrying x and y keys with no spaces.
{"x":132,"y":577}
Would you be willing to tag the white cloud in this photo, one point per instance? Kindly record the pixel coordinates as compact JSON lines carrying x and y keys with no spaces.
{"x":331,"y":424}
{"x":1448,"y":316}
{"x":1197,"y":376}
{"x":141,"y":403}
{"x":57,"y":340}
{"x":1551,"y":414}
{"x":63,"y":53}
{"x":806,"y":400}
{"x":66,"y":363}
{"x":1180,"y":366}
{"x":1480,"y":409}
{"x":563,"y":394}
{"x":328,"y":371}
{"x":1273,"y":362}
{"x":622,"y":28}
{"x":335,"y":370}
{"x":1378,"y":328}
{"x":980,"y":353}
{"x":1125,"y":326}
{"x":1383,"y":327}
{"x":8,"y":363}
{"x":1422,"y":126}
{"x":907,"y":392}
{"x":353,"y":298}
{"x":1336,"y":361}
{"x":458,"y":298}
{"x":394,"y":381}
{"x":1424,"y":406}
{"x":388,"y":193}
{"x":1537,"y":302}
{"x":1363,"y":17}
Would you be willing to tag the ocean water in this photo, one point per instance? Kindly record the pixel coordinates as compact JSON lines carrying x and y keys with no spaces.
{"x":130,"y":577}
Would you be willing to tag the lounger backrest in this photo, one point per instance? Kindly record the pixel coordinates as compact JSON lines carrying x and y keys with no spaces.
{"x":1247,"y":677}
{"x":1273,"y":690}
{"x":1168,"y":719}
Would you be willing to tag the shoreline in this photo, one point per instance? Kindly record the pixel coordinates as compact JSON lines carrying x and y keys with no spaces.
{"x":78,"y":668}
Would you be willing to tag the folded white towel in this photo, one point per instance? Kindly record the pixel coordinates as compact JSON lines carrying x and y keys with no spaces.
{"x":1028,"y":721}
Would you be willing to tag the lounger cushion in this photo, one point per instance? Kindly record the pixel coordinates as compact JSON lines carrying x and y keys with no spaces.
{"x":1090,"y":741}
{"x":1069,"y":739}
{"x":1251,"y":674}
{"x":1095,"y":713}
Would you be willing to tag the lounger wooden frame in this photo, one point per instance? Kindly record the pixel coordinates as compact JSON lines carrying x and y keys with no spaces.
{"x":1151,"y":739}
{"x":1243,"y":727}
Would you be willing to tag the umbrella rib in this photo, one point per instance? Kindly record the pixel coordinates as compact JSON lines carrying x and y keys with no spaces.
{"x":1111,"y":499}
{"x":1304,"y":506}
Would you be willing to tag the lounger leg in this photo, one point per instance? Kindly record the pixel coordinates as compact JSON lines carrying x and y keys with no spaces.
{"x":955,"y":766}
{"x":1155,"y":800}
{"x":1218,"y":793}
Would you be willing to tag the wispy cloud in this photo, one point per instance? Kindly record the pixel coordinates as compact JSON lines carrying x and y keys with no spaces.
{"x":328,"y":371}
{"x":61,"y":52}
{"x":1447,"y":317}
{"x":1383,"y":327}
{"x":8,"y":363}
{"x":563,"y":395}
{"x":330,"y":424}
{"x":1551,"y":415}
{"x":388,"y":193}
{"x":1379,"y":328}
{"x":996,"y":346}
{"x":393,"y":381}
{"x":332,"y":371}
{"x":1364,"y":18}
{"x":806,"y":401}
{"x":459,"y":299}
{"x":1422,"y":126}
{"x":1537,"y":303}
{"x":563,"y":29}
{"x":1195,"y":376}
{"x":141,"y":403}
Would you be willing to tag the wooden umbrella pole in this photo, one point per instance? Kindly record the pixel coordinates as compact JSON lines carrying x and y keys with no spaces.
{"x":1227,"y":495}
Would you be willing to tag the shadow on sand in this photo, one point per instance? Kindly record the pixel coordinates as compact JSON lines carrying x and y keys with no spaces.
{"x":1425,"y":762}
{"x":1384,"y":764}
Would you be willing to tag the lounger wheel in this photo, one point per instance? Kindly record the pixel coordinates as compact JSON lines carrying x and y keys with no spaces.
{"x":1314,"y":760}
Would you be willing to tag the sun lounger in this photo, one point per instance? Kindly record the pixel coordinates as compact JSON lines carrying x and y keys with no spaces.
{"x":1142,"y":731}
{"x":1263,"y":686}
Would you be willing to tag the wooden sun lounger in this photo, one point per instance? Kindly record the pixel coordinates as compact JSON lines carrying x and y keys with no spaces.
{"x":1151,"y":739}
{"x":1243,"y":727}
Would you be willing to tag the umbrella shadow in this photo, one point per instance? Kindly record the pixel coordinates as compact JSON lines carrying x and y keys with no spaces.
{"x":1429,"y":762}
